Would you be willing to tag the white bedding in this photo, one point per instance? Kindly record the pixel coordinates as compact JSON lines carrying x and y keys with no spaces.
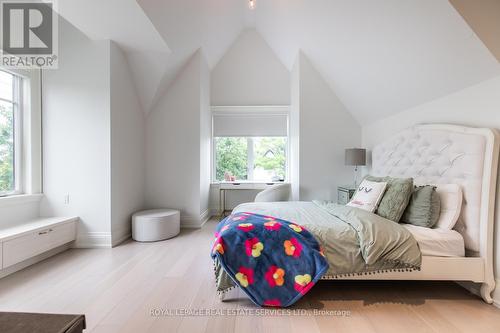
{"x":438,"y":242}
{"x":432,"y":242}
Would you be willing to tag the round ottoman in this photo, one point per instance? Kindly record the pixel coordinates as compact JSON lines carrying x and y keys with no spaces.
{"x":155,"y":224}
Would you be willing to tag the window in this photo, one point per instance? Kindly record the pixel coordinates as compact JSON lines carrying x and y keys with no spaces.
{"x":250,"y":143}
{"x":10,"y":145}
{"x":253,"y":158}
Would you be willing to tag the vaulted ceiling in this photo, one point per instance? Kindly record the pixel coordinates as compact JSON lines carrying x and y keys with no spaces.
{"x":380,"y":57}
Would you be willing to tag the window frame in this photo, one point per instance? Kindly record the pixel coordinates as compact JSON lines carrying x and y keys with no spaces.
{"x":27,"y":133}
{"x":279,"y":109}
{"x":17,"y":108}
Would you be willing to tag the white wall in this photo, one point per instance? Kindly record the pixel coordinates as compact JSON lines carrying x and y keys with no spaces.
{"x":250,"y":74}
{"x":13,"y":212}
{"x":320,"y":130}
{"x":478,"y":106}
{"x":127,"y":147}
{"x":76,"y":135}
{"x":326,"y":129}
{"x":294,"y":128}
{"x":175,"y":137}
{"x":205,"y":137}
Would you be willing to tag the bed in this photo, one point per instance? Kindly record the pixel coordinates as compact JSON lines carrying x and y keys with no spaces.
{"x":465,"y":156}
{"x":435,"y":154}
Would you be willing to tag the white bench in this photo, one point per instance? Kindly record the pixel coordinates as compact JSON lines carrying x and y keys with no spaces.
{"x":20,"y":243}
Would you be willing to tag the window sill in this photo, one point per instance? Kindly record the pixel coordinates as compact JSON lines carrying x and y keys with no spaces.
{"x":246,"y":185}
{"x":217,"y":183}
{"x":20,"y":199}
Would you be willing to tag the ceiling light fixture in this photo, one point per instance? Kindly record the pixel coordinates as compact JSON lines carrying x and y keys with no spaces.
{"x":251,"y":4}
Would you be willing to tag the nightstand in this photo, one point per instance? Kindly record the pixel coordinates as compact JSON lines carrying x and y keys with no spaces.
{"x":345,"y":194}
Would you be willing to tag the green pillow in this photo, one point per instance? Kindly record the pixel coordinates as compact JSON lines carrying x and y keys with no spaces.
{"x":396,"y":197}
{"x":424,"y":207}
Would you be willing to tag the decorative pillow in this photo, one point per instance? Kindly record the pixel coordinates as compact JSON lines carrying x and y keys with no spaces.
{"x":451,"y":205}
{"x":396,"y":197}
{"x":368,"y":195}
{"x":423,"y":208}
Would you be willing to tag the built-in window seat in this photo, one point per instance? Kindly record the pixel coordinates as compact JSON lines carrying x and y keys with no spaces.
{"x":26,"y":243}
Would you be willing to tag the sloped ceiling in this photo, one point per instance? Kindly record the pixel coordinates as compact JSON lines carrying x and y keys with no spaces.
{"x":125,"y":23}
{"x":188,"y":25}
{"x":380,"y":57}
{"x":159,"y":37}
{"x":484,"y":18}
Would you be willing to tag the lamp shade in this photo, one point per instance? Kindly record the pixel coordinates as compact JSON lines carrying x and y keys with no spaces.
{"x":355,"y":156}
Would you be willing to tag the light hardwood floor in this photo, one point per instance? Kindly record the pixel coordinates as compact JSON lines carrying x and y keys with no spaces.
{"x":117,"y":290}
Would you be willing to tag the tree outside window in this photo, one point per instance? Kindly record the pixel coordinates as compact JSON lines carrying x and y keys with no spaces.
{"x":265,"y":162}
{"x":231,"y":156}
{"x":7,"y":183}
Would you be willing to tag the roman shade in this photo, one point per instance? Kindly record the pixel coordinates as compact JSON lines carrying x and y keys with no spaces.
{"x":250,"y":121}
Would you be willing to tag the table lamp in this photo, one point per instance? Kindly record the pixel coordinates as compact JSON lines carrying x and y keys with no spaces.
{"x":355,"y":157}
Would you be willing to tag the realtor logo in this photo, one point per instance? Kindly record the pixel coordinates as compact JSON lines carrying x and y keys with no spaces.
{"x":28,"y":34}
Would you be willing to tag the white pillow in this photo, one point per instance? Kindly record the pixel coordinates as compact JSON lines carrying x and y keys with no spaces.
{"x":451,"y":205}
{"x":368,"y":195}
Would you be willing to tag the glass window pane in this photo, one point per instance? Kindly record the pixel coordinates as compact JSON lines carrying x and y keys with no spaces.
{"x":6,"y":147}
{"x":6,"y":84}
{"x":269,"y":159}
{"x":231,"y":158}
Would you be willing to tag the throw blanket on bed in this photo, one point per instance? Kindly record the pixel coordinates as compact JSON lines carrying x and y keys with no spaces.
{"x":353,"y":241}
{"x":275,"y":262}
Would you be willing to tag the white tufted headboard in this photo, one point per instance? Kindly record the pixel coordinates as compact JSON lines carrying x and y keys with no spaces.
{"x":444,"y":154}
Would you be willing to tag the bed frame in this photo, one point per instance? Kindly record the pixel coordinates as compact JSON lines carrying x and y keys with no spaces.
{"x":443,"y":154}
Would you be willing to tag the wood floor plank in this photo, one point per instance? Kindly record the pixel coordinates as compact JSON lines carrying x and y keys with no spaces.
{"x":138,"y":287}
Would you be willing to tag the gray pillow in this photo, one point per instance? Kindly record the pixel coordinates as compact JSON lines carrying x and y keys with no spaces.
{"x":424,"y":207}
{"x":396,"y":197}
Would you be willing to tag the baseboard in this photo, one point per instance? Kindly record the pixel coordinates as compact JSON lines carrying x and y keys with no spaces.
{"x":120,"y":236}
{"x":207,"y":214}
{"x":31,"y":261}
{"x":92,"y":240}
{"x":214,"y":212}
{"x":190,"y":222}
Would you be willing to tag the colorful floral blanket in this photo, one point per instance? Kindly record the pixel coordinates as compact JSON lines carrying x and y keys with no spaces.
{"x":275,"y":262}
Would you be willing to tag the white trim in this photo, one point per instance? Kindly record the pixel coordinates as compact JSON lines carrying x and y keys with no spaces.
{"x":250,"y":157}
{"x":120,"y":235}
{"x":93,"y":240}
{"x":21,"y":199}
{"x":35,"y":225}
{"x":250,"y":110}
{"x":245,"y":111}
{"x":205,"y":216}
{"x":192,"y":222}
{"x":32,"y":133}
{"x":214,"y":211}
{"x":18,"y":105}
{"x":121,"y":239}
{"x":19,"y":108}
{"x":28,"y":159}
